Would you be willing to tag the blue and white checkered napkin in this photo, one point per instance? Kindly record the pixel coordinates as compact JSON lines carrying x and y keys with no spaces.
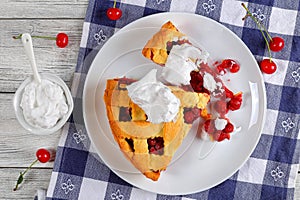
{"x":271,"y":170}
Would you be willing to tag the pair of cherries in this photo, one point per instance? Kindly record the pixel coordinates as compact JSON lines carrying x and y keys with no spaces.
{"x":275,"y":44}
{"x":267,"y":65}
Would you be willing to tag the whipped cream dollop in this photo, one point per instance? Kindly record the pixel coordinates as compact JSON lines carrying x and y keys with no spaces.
{"x":210,"y":84}
{"x":43,"y":104}
{"x":220,"y":124}
{"x":180,"y":62}
{"x":156,"y":99}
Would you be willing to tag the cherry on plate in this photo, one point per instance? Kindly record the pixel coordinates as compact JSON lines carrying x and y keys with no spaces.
{"x":228,"y":128}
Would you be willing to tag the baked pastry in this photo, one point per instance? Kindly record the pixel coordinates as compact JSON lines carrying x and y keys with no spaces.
{"x":148,"y":146}
{"x":157,"y":48}
{"x":174,"y":52}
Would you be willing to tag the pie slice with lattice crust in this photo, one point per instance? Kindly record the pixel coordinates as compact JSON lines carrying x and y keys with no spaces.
{"x":159,"y":46}
{"x":150,"y":147}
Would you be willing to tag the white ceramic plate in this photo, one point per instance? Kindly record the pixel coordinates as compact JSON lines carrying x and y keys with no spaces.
{"x":121,"y":56}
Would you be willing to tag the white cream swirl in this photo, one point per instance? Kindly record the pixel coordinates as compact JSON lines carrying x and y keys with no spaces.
{"x":156,"y":99}
{"x":181,"y":61}
{"x":43,"y":104}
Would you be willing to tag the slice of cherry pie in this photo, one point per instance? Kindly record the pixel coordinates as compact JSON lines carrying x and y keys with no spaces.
{"x":158,"y":47}
{"x":148,"y":146}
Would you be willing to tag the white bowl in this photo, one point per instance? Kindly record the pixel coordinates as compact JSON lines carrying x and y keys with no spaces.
{"x":19,"y":111}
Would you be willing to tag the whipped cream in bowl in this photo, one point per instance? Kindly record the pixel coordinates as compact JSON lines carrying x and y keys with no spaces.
{"x":43,"y":108}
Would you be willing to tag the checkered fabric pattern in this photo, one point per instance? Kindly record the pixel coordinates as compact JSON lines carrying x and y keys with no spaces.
{"x":271,"y":170}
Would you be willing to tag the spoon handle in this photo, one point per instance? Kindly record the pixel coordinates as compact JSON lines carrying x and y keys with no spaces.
{"x":27,"y":43}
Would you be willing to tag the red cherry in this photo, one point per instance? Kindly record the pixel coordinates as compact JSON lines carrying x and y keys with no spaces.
{"x":229,"y":93}
{"x":276,"y":44}
{"x":62,"y":40}
{"x":43,"y":155}
{"x":114,"y":13}
{"x":228,"y":128}
{"x":238,"y":96}
{"x":216,"y":134}
{"x":230,"y":64}
{"x":268,"y":66}
{"x":158,"y":146}
{"x":221,"y":69}
{"x":234,"y":104}
{"x":222,"y":136}
{"x":207,"y":125}
{"x":151,"y":142}
{"x":234,"y":68}
{"x":196,"y":76}
{"x":152,"y":150}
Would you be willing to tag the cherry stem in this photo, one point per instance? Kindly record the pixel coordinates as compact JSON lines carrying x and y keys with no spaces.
{"x":115,"y":3}
{"x":260,"y":26}
{"x":20,"y":179}
{"x":35,"y":36}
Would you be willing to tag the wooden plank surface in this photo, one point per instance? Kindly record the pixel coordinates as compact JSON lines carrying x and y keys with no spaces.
{"x":31,"y":9}
{"x":18,"y":146}
{"x":14,"y":65}
{"x":44,"y":17}
{"x":297,"y":190}
{"x":36,"y":178}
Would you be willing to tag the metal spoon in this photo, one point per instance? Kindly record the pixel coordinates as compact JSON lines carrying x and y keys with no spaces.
{"x":27,"y":43}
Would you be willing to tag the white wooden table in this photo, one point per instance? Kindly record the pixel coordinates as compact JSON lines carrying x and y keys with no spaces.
{"x":18,"y":146}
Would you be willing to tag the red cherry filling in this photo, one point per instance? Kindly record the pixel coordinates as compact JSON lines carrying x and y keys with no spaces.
{"x":197,"y":82}
{"x":228,"y":128}
{"x":218,"y":135}
{"x":124,"y":81}
{"x":229,"y":93}
{"x":191,"y":114}
{"x":235,"y":102}
{"x":221,"y":107}
{"x":230,"y":64}
{"x":156,"y":145}
{"x":188,"y":117}
{"x":222,"y":136}
{"x":130,"y":143}
{"x":125,"y":114}
{"x":209,"y":126}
